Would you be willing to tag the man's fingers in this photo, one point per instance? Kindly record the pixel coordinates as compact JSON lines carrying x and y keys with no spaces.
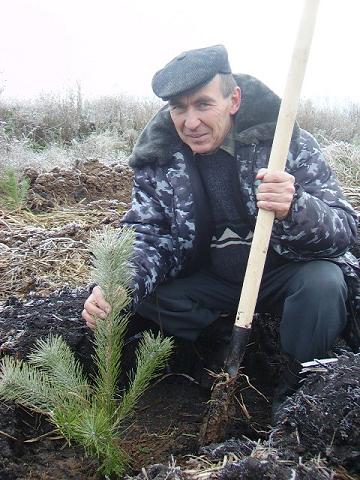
{"x":274,"y":206}
{"x":274,"y":199}
{"x":283,"y":197}
{"x":99,"y":300}
{"x":97,"y":307}
{"x":93,"y":309}
{"x":275,"y":192}
{"x":280,"y":187}
{"x":274,"y":177}
{"x":281,"y":209}
{"x":87,"y":317}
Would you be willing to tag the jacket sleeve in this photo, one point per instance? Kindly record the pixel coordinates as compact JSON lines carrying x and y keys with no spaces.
{"x":321,"y":222}
{"x":153,"y":242}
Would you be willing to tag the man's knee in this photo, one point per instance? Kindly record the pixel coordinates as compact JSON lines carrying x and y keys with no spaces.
{"x":315,"y":311}
{"x":321,"y":280}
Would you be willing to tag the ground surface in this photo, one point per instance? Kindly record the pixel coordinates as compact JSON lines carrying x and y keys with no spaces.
{"x":167,"y":421}
{"x":44,"y":248}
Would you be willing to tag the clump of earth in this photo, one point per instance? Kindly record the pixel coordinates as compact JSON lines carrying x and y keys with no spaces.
{"x":88,"y":182}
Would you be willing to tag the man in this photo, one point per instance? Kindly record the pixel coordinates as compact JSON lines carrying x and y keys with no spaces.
{"x":200,"y":176}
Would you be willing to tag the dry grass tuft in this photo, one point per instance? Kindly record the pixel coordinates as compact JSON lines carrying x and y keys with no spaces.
{"x":334,"y":121}
{"x":43,"y":252}
{"x":344,"y":158}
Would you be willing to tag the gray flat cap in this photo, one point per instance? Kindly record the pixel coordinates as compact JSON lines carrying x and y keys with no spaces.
{"x":190,"y":70}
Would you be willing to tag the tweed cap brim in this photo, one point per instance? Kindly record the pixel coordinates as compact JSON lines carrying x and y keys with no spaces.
{"x":190,"y":70}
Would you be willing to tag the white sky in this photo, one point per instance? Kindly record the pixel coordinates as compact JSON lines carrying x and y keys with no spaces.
{"x":115,"y":46}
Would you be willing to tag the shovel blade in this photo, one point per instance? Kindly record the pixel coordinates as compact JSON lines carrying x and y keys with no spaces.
{"x":239,"y":340}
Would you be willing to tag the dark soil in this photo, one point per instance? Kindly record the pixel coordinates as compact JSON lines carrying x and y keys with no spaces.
{"x":167,"y":421}
{"x":315,"y":438}
{"x":323,"y":418}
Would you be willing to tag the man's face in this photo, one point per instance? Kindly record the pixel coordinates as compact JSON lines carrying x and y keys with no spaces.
{"x":203,"y":118}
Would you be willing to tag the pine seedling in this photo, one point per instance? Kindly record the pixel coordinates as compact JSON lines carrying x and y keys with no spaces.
{"x":13,"y":192}
{"x":53,"y":383}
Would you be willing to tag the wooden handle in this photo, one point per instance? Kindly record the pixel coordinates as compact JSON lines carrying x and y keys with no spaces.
{"x":277,"y":161}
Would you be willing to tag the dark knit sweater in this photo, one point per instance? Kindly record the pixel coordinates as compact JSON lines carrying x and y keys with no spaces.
{"x":231,"y":233}
{"x":231,"y":239}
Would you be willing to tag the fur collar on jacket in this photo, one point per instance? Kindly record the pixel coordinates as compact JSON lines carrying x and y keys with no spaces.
{"x":254,"y":122}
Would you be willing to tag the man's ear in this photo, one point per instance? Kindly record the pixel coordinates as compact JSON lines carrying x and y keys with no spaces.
{"x":235,"y":100}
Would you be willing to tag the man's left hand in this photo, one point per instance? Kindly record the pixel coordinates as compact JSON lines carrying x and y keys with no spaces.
{"x":275,"y":192}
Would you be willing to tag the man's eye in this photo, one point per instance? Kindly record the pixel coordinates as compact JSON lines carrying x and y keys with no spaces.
{"x":177,"y":108}
{"x":204,"y":105}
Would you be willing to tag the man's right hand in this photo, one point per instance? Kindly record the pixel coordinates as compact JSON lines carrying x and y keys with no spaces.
{"x":95,"y":306}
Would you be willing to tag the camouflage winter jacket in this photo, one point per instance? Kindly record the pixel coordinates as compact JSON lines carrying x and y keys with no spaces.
{"x":171,"y":217}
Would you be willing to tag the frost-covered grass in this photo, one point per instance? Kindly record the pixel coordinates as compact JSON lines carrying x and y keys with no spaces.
{"x":60,"y":119}
{"x":62,"y":131}
{"x":344,"y":158}
{"x":330,"y":121}
{"x":337,"y":128}
{"x":18,"y":155}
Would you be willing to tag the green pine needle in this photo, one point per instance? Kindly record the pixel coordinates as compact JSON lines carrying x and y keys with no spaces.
{"x":27,"y":385}
{"x":55,"y":358}
{"x":112,"y":269}
{"x":109,"y":342}
{"x":113,"y":273}
{"x":95,"y":430}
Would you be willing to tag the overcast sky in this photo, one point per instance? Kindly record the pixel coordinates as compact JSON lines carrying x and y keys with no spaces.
{"x":115,"y":46}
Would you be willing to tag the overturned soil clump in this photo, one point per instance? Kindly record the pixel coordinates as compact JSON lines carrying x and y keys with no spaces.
{"x":85,"y":183}
{"x":324,"y":416}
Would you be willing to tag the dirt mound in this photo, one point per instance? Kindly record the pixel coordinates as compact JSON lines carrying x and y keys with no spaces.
{"x":21,"y":323}
{"x":317,"y":437}
{"x":324,"y":416}
{"x":88,"y":182}
{"x":45,"y":248}
{"x":270,"y":468}
{"x":25,"y":456}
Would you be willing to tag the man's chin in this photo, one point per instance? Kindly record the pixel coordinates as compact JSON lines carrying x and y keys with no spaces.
{"x":205,"y":147}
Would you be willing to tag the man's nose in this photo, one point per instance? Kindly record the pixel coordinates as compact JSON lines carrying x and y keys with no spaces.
{"x":192,"y":120}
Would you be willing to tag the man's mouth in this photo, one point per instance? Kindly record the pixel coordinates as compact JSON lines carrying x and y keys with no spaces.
{"x":196,"y":136}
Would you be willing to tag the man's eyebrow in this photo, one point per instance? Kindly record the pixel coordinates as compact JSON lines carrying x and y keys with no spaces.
{"x":204,"y":98}
{"x":174,"y":101}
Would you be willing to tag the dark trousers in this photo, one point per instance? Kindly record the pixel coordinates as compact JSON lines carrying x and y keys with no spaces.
{"x":309,"y":296}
